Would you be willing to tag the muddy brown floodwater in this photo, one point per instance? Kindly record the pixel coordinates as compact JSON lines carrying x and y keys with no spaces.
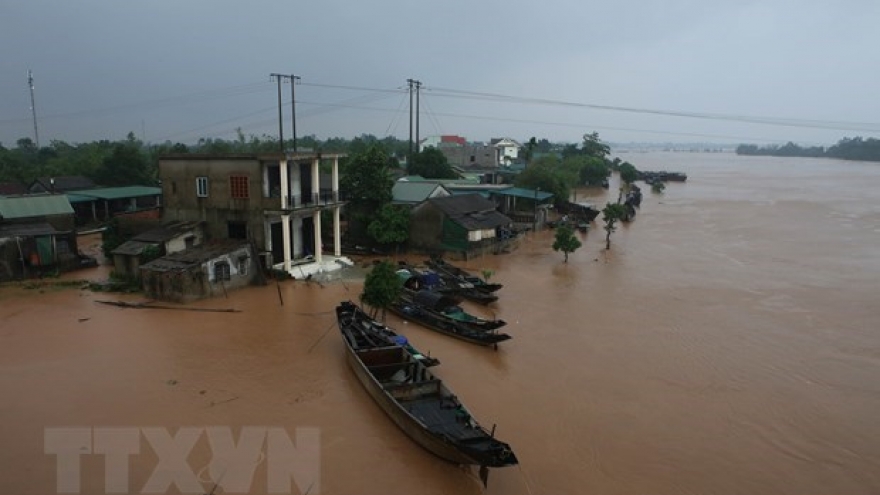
{"x":729,"y":343}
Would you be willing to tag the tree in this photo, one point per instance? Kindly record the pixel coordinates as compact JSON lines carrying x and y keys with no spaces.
{"x":610,"y":215}
{"x":366,"y":182}
{"x":431,"y":163}
{"x":390,"y":225}
{"x":382,"y":287}
{"x":566,"y":241}
{"x":594,"y":147}
{"x":594,"y":171}
{"x":628,"y":173}
{"x":544,"y":174}
{"x":126,"y":166}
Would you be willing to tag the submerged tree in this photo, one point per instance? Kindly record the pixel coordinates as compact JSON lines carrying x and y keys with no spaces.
{"x":382,"y":287}
{"x":610,"y":215}
{"x":566,"y":241}
{"x":390,"y":225}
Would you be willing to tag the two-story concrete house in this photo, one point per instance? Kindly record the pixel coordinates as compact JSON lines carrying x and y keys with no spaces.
{"x":274,"y":200}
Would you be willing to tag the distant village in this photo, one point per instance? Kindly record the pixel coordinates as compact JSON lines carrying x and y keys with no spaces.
{"x":214,"y":221}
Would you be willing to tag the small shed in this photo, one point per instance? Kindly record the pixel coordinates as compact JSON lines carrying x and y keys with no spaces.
{"x":93,"y":205}
{"x":456,"y":223}
{"x":213,"y":268}
{"x":170,"y":238}
{"x":36,"y":236}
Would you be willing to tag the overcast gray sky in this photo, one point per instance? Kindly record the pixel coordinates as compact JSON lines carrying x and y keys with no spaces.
{"x":629,"y":69}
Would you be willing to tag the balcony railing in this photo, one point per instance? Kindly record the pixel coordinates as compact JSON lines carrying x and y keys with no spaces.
{"x":323,"y":198}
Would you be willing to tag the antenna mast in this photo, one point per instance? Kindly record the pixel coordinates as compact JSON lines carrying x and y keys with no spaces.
{"x":33,"y":108}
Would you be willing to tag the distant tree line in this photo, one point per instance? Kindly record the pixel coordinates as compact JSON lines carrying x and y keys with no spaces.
{"x":855,"y":148}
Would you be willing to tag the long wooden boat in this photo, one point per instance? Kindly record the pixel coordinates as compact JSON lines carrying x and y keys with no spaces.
{"x":421,"y":404}
{"x":440,"y":313}
{"x":417,"y":278}
{"x":376,"y":334}
{"x":445,"y":268}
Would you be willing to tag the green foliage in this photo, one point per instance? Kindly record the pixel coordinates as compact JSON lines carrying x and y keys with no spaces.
{"x":611,"y":214}
{"x":366,"y":182}
{"x":487,"y":274}
{"x":856,"y":148}
{"x":658,"y":187}
{"x":566,"y":241}
{"x":150,"y":253}
{"x":111,"y":239}
{"x":127,"y":165}
{"x":594,"y":171}
{"x":594,"y":147}
{"x":547,"y":175}
{"x":390,"y":225}
{"x":628,"y":173}
{"x":431,"y":163}
{"x":382,"y":286}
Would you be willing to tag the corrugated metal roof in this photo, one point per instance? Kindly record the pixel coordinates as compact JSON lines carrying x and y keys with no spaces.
{"x":34,"y":206}
{"x":413,"y":192}
{"x":193,"y":257}
{"x":519,"y":192}
{"x":27,"y":229}
{"x":471,"y":211}
{"x":132,"y":248}
{"x":113,"y":193}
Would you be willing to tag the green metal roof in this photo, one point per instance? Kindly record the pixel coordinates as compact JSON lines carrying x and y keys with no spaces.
{"x":413,"y":192}
{"x":113,"y":193}
{"x":34,"y":206}
{"x":520,"y":192}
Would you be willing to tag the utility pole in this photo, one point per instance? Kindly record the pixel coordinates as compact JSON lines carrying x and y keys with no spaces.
{"x":280,"y":123}
{"x":292,"y":79}
{"x":412,"y":83}
{"x":418,"y":112}
{"x":33,"y":108}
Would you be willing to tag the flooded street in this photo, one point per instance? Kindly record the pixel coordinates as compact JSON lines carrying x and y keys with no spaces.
{"x":728,"y":343}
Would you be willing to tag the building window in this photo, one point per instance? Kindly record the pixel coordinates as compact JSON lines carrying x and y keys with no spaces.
{"x":236,"y":230}
{"x":243,"y":262}
{"x":221,"y":271}
{"x":202,"y":187}
{"x":238,"y":187}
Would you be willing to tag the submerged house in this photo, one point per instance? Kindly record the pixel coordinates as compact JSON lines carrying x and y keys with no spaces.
{"x":278,"y":201}
{"x":462,"y":225}
{"x":208,"y":270}
{"x":169,"y":238}
{"x":37,"y":236}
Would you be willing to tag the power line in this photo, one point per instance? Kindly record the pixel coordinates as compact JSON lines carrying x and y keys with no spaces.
{"x":790,"y":122}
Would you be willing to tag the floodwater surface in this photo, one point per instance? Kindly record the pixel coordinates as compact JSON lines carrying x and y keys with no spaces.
{"x":728,"y":343}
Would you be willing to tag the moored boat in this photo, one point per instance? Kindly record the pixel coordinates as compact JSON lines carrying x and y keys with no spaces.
{"x":440,"y":313}
{"x":418,"y":402}
{"x":372,"y":333}
{"x":445,"y":268}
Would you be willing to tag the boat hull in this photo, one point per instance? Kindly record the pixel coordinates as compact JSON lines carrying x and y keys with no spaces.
{"x":410,"y":425}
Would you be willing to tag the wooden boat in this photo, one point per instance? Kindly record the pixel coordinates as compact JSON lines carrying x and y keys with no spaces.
{"x":445,"y":268}
{"x":440,"y":313}
{"x":419,"y":278}
{"x":374,"y":333}
{"x":421,"y":405}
